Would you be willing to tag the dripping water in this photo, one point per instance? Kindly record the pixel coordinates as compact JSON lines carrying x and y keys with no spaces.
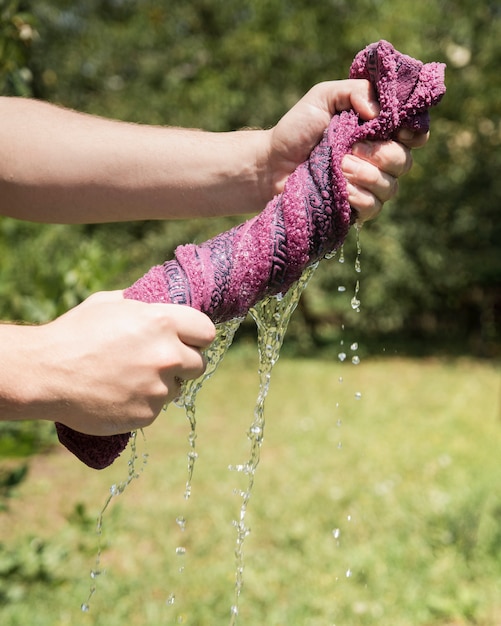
{"x":355,"y":301}
{"x":225,"y":333}
{"x":213,"y":355}
{"x":272,"y":316}
{"x":115,"y":490}
{"x":346,"y":355}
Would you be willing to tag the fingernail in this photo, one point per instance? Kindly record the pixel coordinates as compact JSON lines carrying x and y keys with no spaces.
{"x":374,"y":107}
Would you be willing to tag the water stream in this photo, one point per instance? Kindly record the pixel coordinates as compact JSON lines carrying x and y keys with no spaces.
{"x":115,"y":490}
{"x":271,"y":316}
{"x":187,"y":400}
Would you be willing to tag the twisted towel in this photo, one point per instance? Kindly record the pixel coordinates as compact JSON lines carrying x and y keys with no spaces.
{"x":225,"y":276}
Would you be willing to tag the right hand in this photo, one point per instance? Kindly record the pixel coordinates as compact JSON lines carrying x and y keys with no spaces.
{"x":109,"y":365}
{"x":373,"y":167}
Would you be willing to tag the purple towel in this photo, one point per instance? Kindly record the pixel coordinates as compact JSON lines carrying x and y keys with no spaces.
{"x":228,"y":274}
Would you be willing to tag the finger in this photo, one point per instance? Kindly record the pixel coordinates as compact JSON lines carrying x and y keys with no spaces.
{"x":366,"y":204}
{"x":412,"y":139}
{"x":192,"y":365}
{"x":342,"y":95}
{"x":363,"y":99}
{"x":193,"y":327}
{"x":174,"y":386}
{"x":364,"y":175}
{"x":390,"y":157}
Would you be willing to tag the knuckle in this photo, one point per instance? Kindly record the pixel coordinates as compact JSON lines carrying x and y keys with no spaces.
{"x":210,"y":333}
{"x":371,"y":212}
{"x":150,"y":417}
{"x":372,"y":176}
{"x":364,"y":203}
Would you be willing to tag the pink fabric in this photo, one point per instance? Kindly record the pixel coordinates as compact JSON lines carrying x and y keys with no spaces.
{"x":228,"y":274}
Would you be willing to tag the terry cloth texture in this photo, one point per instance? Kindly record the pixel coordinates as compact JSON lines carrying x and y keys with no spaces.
{"x":228,"y":274}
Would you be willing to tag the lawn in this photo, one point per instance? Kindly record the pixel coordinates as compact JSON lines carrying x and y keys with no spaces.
{"x":377,"y":500}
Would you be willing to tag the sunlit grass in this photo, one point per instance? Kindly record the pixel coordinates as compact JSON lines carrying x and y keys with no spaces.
{"x":379,"y":509}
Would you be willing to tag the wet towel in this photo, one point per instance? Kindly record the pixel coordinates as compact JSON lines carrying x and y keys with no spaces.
{"x":228,"y":274}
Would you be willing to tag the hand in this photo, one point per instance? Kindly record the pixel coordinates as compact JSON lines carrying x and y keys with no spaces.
{"x":373,"y":168}
{"x":110,"y":365}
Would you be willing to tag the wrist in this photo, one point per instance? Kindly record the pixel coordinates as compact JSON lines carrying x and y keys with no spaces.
{"x":266,"y":173}
{"x":247,"y":172}
{"x":21,"y":378}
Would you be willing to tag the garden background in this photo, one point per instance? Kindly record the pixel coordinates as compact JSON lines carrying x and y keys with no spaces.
{"x":414,"y":461}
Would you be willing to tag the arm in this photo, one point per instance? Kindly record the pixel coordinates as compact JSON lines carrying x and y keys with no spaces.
{"x":109,"y":365}
{"x":58,"y":165}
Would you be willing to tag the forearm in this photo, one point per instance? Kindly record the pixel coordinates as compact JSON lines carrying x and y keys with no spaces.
{"x":19,"y":373}
{"x":58,"y":165}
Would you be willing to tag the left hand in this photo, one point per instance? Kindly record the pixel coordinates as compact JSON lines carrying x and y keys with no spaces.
{"x":373,"y":167}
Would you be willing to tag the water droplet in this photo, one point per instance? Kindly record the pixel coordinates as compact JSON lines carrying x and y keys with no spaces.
{"x":341,"y":288}
{"x":341,"y":356}
{"x":355,"y":360}
{"x":358,"y":395}
{"x":180,"y":551}
{"x":85,"y":608}
{"x":348,"y":573}
{"x":354,"y":346}
{"x":358,"y":267}
{"x":171,"y":598}
{"x":340,"y":379}
{"x":244,"y":468}
{"x":181,"y":522}
{"x":95,"y":573}
{"x":234,"y":609}
{"x":355,"y":302}
{"x":336,"y":533}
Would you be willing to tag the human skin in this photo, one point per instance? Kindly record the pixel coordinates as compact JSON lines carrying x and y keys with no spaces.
{"x":110,"y":364}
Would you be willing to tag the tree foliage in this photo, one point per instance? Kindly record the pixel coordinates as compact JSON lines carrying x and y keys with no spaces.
{"x":431,"y":264}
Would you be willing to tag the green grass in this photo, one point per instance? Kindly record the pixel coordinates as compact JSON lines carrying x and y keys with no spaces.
{"x":409,"y":475}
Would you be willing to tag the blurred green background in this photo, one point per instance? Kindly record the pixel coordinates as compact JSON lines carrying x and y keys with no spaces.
{"x":426,"y":546}
{"x":431,"y":262}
